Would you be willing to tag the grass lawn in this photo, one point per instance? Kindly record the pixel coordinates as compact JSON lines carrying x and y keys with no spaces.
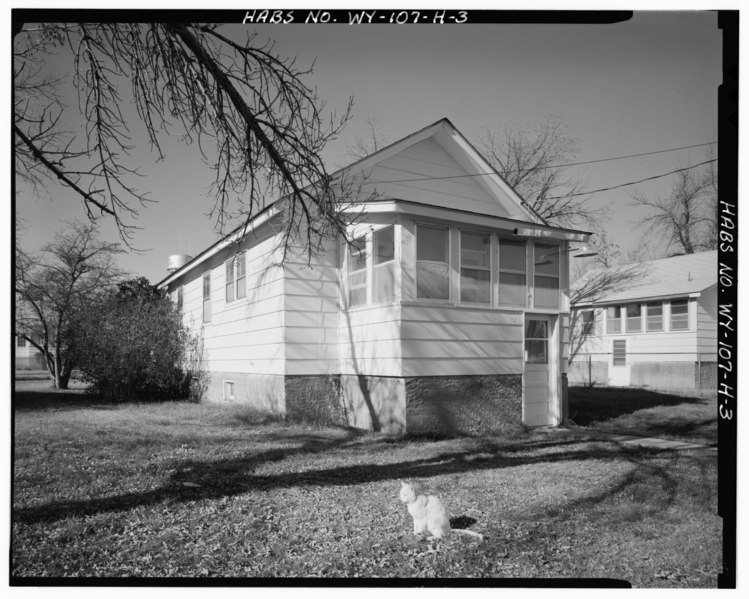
{"x":214,"y":491}
{"x":646,"y":413}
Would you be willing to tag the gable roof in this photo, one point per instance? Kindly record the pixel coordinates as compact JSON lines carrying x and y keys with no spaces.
{"x":677,"y":276}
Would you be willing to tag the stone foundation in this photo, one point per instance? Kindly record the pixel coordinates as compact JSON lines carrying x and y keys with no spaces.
{"x":316,"y":399}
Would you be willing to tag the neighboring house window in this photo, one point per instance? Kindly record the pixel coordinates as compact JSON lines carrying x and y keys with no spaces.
{"x":512,"y":284}
{"x":613,"y":320}
{"x":236,"y":280}
{"x":620,"y":352}
{"x":546,"y":275}
{"x":588,"y":322}
{"x":654,"y":316}
{"x":230,"y":281}
{"x":432,"y":263}
{"x":383,"y":286}
{"x":634,"y":318}
{"x":679,"y":315}
{"x":207,"y":297}
{"x":536,"y":342}
{"x":475,"y":269}
{"x":21,"y":342}
{"x":357,"y":272}
{"x":179,"y":300}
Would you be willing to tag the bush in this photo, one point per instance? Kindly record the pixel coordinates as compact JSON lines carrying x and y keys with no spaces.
{"x":132,"y":346}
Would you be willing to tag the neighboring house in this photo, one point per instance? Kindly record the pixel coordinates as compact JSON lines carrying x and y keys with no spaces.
{"x":652,"y":324}
{"x":448,"y":311}
{"x":28,"y":357}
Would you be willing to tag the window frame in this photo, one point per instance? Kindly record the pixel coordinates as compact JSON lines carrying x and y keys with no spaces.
{"x":230,"y":294}
{"x":448,"y":256}
{"x":546,"y":339}
{"x":622,"y":356}
{"x":557,"y":277}
{"x":524,"y":272}
{"x":617,"y":318}
{"x":350,"y":272}
{"x":20,"y":341}
{"x":233,"y":278}
{"x":648,"y":328}
{"x":378,"y":267}
{"x":487,"y":269}
{"x":588,"y":327}
{"x":629,"y":318}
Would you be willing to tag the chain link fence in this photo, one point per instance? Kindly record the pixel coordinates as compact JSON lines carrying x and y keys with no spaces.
{"x":695,"y":373}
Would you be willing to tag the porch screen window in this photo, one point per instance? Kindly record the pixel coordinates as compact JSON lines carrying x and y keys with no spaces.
{"x":634,"y":318}
{"x":357,"y":272}
{"x":230,"y":281}
{"x":383,"y":288}
{"x":432,"y":263}
{"x":475,"y":271}
{"x":512,"y":272}
{"x":613,"y":320}
{"x":679,"y":315}
{"x":620,"y":352}
{"x":536,"y":342}
{"x":207,"y":297}
{"x":546,"y":275}
{"x":654,"y":316}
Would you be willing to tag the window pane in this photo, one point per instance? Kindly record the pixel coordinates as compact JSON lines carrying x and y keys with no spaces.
{"x":512,"y":288}
{"x":21,"y":342}
{"x":475,"y":286}
{"x":357,"y":288}
{"x":511,"y":255}
{"x":474,"y":249}
{"x":431,"y":244}
{"x":634,"y":318}
{"x":230,"y":281}
{"x":588,"y":322}
{"x":384,"y":245}
{"x":179,"y":299}
{"x":613,"y":322}
{"x":358,"y":255}
{"x":620,"y":352}
{"x":655,"y":317}
{"x":207,"y":298}
{"x":546,"y":293}
{"x":679,"y":315}
{"x":535,"y":351}
{"x":536,"y":329}
{"x":432,"y":280}
{"x":384,"y":282}
{"x":546,"y":259}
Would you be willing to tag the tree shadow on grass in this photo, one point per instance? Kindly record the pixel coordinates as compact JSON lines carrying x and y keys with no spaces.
{"x":64,"y":399}
{"x":198,"y":480}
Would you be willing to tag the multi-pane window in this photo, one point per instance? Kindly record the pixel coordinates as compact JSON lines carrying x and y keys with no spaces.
{"x":613,"y":319}
{"x":432,"y":263}
{"x":634,"y":318}
{"x":619,"y":352}
{"x":679,"y":315}
{"x":383,"y":243}
{"x":588,"y":322}
{"x":537,"y":342}
{"x":236,"y":279}
{"x":512,"y":288}
{"x":21,"y":342}
{"x":654,"y":316}
{"x":357,"y":272}
{"x":207,"y":297}
{"x":546,"y":275}
{"x":475,"y":270}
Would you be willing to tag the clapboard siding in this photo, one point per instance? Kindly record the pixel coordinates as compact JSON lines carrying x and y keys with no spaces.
{"x":707,"y":325}
{"x":369,"y":341}
{"x":463,"y":341}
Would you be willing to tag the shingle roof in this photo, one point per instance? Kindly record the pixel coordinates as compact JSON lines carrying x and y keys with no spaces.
{"x":667,"y":277}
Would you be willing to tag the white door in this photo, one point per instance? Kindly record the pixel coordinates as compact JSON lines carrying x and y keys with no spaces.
{"x":540,"y":398}
{"x":619,"y":369}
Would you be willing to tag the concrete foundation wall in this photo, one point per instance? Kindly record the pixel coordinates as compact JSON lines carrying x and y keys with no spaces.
{"x":467,"y":404}
{"x":584,"y":373}
{"x":35,"y":362}
{"x":374,"y":402}
{"x":265,"y":392}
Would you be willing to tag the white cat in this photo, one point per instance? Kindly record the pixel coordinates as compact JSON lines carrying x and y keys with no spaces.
{"x":429,"y":514}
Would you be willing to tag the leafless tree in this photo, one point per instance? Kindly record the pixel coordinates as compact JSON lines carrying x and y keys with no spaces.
{"x":256,"y":121}
{"x":686,"y":217}
{"x":374,"y":138}
{"x":51,"y":285}
{"x":531,"y":161}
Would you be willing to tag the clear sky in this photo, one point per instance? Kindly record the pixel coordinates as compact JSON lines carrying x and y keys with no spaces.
{"x":644,"y":85}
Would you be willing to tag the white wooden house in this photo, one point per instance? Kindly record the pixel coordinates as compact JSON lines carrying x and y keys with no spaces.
{"x":453,"y":314}
{"x":27,"y":357}
{"x":651,"y":324}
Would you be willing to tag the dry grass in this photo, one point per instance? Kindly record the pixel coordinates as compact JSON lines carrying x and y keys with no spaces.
{"x":184,"y":490}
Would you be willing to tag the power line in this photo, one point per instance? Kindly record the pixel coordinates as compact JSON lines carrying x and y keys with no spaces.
{"x":556,"y":165}
{"x":678,"y":170}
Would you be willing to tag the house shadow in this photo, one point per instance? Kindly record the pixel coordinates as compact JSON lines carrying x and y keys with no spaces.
{"x":197,"y":480}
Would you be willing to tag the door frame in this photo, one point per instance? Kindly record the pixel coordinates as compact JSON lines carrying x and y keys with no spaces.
{"x":554,"y":363}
